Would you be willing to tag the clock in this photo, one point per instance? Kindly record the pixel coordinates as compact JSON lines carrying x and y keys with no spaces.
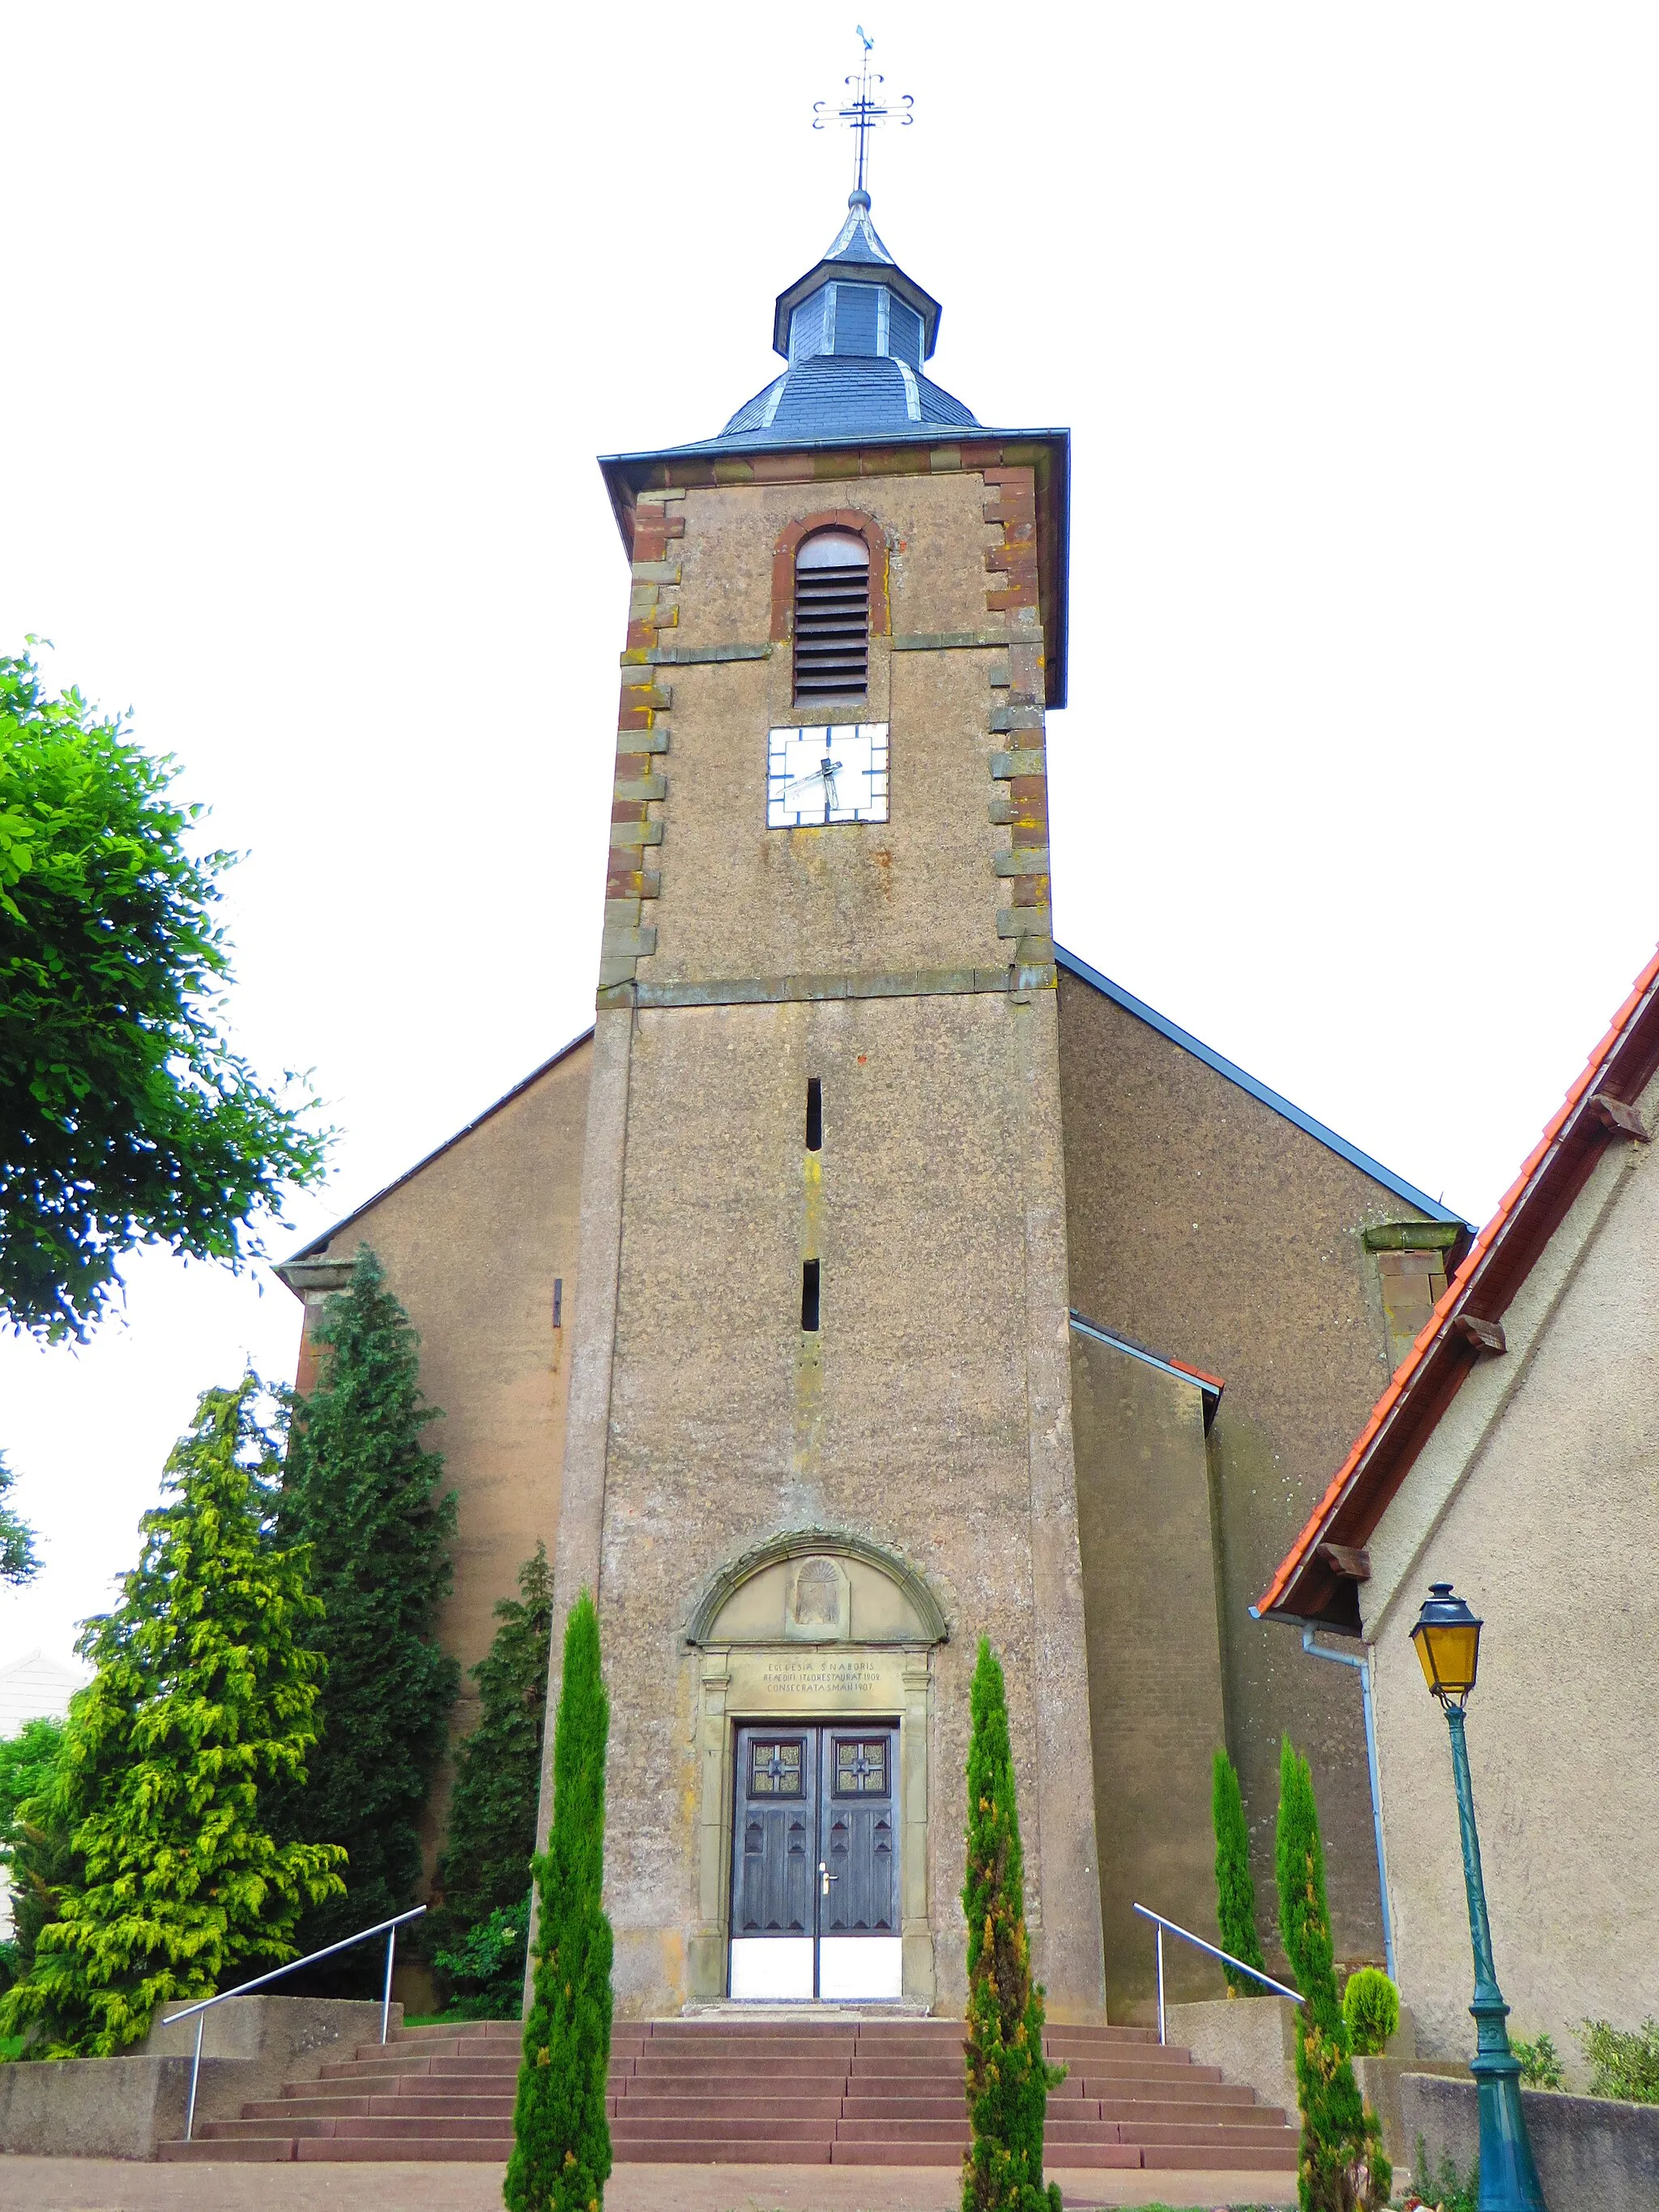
{"x":826,"y":772}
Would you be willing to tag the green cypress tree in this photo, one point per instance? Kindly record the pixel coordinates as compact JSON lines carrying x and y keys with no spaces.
{"x":204,"y":1695}
{"x":1008,"y":2077}
{"x":1234,"y":1887}
{"x":485,"y":1873}
{"x":361,"y":1489}
{"x":561,"y":2140}
{"x":1341,"y":2167}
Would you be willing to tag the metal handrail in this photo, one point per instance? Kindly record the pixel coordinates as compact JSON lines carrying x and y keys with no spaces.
{"x":386,"y":1927}
{"x":1215,"y":1952}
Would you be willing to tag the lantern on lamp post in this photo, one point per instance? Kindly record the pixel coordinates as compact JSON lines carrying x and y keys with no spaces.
{"x":1448,"y":1640}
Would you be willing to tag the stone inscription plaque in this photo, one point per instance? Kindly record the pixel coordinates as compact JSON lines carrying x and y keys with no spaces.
{"x":821,"y":1675}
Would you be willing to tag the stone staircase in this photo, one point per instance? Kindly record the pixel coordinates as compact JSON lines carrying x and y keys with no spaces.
{"x":773,"y":2092}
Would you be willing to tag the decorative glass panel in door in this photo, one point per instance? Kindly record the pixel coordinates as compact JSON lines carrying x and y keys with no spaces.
{"x":814,"y":1862}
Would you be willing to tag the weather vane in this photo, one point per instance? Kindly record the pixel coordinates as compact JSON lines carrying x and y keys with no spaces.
{"x":863,"y":107}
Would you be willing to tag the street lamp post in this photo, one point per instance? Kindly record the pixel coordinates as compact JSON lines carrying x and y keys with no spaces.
{"x":1448,"y":1640}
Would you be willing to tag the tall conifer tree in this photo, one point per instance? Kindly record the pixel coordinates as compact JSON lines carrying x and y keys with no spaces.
{"x":561,"y":2157}
{"x":361,"y":1489}
{"x":204,"y":1695}
{"x":1234,"y":1887}
{"x":1008,"y":2077}
{"x":1341,"y":2167}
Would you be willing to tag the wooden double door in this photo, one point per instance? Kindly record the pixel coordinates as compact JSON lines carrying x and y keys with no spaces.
{"x":814,"y":1873}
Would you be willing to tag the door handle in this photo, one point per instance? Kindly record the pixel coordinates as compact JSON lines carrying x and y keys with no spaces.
{"x":825,"y":1877}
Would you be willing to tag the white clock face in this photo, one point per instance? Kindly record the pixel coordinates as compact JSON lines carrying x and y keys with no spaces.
{"x":834,"y":772}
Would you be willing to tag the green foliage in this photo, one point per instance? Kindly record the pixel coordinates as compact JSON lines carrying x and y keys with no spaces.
{"x":1624,"y":2063}
{"x":483,"y":1973}
{"x":37,"y":1858}
{"x":1008,"y":2078}
{"x":18,"y":1561}
{"x":561,"y":2140}
{"x":1541,"y":2063}
{"x":1341,"y":2166}
{"x":204,"y":1695}
{"x":1234,"y":1888}
{"x":485,"y":1871}
{"x":126,"y":1115}
{"x":1371,"y":2008}
{"x":1448,"y":2191}
{"x":363,"y":1493}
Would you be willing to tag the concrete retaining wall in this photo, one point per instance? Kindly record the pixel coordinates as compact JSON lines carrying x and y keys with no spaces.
{"x":126,"y":2107}
{"x":1593,"y":2155}
{"x":1252,"y":2039}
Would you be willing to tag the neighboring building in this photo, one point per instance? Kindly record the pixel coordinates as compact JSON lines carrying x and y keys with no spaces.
{"x":917,"y":1282}
{"x":32,"y":1688}
{"x":1516,"y":1454}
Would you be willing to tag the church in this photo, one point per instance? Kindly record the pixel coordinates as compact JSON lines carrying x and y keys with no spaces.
{"x":876,"y":1275}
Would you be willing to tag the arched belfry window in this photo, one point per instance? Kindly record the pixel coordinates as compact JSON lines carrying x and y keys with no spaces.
{"x":832,"y":616}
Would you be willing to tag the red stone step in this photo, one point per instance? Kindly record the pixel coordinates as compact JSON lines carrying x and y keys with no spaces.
{"x":624,"y":2128}
{"x":644,"y":2105}
{"x":739,"y":2150}
{"x":886,"y":2093}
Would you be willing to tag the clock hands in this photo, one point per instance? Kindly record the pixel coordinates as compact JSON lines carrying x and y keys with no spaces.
{"x":824,"y":774}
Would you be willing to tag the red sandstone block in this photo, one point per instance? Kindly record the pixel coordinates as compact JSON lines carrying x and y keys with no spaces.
{"x":480,"y":2150}
{"x":1097,"y":2155}
{"x":900,"y":2153}
{"x":278,"y":2152}
{"x":1200,"y":2158}
{"x":741,"y":2151}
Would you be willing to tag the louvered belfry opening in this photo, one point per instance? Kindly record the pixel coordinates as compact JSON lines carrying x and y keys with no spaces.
{"x":832,"y":616}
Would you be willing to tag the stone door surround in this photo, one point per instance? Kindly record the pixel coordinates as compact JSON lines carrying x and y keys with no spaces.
{"x":817,"y":1625}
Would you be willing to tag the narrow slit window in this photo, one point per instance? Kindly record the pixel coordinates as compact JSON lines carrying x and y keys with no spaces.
{"x":558,"y":1302}
{"x":809,"y":1295}
{"x":814,"y":1114}
{"x":832,"y":616}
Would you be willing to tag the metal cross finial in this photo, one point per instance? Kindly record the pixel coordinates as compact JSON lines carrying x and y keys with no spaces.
{"x":864,"y":108}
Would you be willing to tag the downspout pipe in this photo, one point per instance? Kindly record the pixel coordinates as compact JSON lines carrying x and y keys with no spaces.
{"x":1363,"y":1662}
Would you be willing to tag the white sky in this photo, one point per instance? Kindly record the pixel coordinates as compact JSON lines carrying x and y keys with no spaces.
{"x":318,"y":315}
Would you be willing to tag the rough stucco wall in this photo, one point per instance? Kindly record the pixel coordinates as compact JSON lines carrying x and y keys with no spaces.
{"x":914,"y":891}
{"x":470,"y":1244}
{"x":1210,"y":1230}
{"x":920,"y":1440}
{"x":1154,"y":1660}
{"x":1551,"y":1539}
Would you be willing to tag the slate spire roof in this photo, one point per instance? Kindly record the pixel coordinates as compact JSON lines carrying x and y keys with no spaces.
{"x":855,"y":331}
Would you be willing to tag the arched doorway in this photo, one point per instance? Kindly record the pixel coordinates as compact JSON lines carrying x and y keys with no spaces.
{"x":815,"y":1697}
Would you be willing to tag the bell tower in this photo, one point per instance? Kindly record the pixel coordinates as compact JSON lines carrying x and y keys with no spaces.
{"x":819,"y":1434}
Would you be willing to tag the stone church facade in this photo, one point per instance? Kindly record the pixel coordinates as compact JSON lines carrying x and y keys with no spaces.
{"x":875,"y":1276}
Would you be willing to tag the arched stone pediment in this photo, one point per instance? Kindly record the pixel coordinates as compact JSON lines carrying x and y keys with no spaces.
{"x":817,"y":1586}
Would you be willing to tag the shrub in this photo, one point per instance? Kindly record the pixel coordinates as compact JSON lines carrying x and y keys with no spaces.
{"x":484,"y":1872}
{"x":1341,"y":2164}
{"x":1235,"y":1890}
{"x":1624,"y":2063}
{"x":1541,"y":2063}
{"x":483,"y":1972}
{"x":1008,"y":2078}
{"x":1370,"y":2007}
{"x":1446,"y":2191}
{"x":560,"y":2137}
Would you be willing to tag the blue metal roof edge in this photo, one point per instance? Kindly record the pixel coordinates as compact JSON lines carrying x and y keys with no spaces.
{"x":1375,"y":1169}
{"x":1211,"y":1386}
{"x":925,"y":433}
